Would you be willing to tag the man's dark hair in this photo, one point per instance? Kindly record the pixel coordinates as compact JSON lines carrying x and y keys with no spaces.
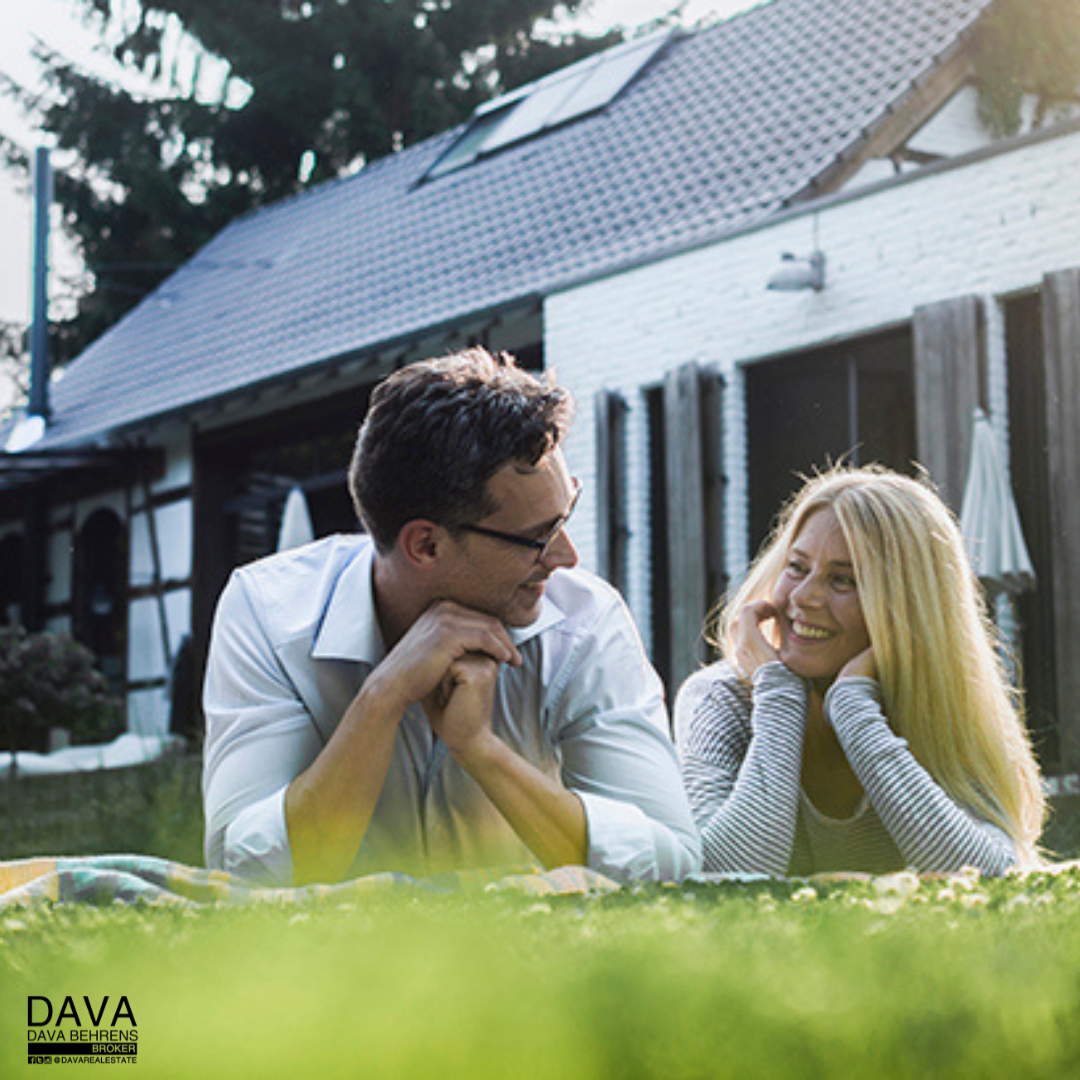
{"x":438,"y":430}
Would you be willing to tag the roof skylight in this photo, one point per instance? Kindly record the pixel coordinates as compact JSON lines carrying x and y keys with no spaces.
{"x":556,"y":99}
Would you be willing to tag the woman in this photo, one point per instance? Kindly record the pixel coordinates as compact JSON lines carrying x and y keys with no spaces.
{"x":861,"y":719}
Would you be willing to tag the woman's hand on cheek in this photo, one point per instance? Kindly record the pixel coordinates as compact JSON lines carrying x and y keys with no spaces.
{"x":862,"y":665}
{"x":751,"y":647}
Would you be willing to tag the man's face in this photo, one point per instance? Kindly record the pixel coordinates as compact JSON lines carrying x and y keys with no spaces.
{"x":497,"y":576}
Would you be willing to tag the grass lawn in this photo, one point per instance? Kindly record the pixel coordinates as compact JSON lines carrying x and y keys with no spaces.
{"x":950,"y":978}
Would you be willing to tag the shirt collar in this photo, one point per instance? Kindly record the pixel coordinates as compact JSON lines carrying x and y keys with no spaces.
{"x":350,"y":629}
{"x":550,"y":614}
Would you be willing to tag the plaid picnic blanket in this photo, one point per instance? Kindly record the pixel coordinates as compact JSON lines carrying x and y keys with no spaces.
{"x":125,"y":879}
{"x":108,"y":879}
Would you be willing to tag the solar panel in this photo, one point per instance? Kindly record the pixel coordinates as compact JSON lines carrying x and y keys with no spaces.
{"x":564,"y":95}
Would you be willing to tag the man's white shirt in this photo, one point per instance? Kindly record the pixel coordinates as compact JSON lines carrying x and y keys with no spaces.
{"x":296,"y":635}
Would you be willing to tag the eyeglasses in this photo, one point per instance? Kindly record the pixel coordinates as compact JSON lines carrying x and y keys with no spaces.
{"x":540,"y":546}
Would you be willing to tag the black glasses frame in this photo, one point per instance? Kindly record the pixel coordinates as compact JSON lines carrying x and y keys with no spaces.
{"x":539,"y":546}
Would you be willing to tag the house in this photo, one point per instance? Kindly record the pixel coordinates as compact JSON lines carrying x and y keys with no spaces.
{"x":618,"y":221}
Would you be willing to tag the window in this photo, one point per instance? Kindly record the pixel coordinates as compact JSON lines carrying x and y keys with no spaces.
{"x":100,"y":610}
{"x":556,"y":99}
{"x":486,"y":120}
{"x":11,"y":579}
{"x":854,"y":402}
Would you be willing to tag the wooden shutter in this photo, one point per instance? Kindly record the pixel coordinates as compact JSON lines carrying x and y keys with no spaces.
{"x":694,"y":521}
{"x":685,"y":518}
{"x":1061,"y":336}
{"x":613,"y":531}
{"x":950,"y":382}
{"x":714,"y":481}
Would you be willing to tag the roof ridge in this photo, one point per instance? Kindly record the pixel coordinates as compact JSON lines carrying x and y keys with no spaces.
{"x":725,"y":128}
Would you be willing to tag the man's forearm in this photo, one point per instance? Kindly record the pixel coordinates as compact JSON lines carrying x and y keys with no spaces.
{"x":328,"y":806}
{"x":549,"y":819}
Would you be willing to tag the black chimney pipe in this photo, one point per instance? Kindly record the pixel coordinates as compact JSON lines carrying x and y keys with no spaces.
{"x":38,"y":405}
{"x":36,"y":507}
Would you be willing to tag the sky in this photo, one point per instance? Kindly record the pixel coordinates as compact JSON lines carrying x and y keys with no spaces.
{"x":56,"y":22}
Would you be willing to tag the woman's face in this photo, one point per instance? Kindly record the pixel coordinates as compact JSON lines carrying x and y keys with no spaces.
{"x":820,"y":615}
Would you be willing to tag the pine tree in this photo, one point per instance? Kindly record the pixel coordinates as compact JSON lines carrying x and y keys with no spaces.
{"x":1027,"y":47}
{"x":302,"y":91}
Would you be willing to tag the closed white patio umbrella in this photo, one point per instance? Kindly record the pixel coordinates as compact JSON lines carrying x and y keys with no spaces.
{"x":296,"y":528}
{"x":989,"y":519}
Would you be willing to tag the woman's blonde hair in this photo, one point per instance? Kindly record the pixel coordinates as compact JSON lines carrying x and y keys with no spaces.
{"x":942,"y":676}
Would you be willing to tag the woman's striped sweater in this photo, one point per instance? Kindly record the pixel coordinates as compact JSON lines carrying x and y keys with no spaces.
{"x":741,"y":751}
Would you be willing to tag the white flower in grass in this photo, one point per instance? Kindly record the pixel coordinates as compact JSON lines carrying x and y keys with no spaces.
{"x":886,"y":905}
{"x":901,"y":885}
{"x":966,"y":879}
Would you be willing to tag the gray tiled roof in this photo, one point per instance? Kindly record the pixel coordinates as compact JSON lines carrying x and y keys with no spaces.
{"x":725,"y":127}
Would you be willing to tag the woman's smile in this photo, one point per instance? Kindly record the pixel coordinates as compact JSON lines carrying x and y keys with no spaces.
{"x":820,"y":615}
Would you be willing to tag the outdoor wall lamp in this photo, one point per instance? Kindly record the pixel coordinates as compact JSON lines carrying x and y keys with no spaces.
{"x":797,"y":274}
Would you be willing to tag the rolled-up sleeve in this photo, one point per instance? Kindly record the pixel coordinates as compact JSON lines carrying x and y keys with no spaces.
{"x":934,"y":833}
{"x":618,"y":757}
{"x":742,"y":761}
{"x":259,"y":737}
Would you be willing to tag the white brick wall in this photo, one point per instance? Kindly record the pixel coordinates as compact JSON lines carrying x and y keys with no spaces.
{"x":990,"y":227}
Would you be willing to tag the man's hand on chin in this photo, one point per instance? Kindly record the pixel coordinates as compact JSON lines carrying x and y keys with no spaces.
{"x":420,"y":663}
{"x":460,"y":709}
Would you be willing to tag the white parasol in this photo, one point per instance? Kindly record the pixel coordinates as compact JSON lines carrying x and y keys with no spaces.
{"x":989,"y":519}
{"x":296,"y":528}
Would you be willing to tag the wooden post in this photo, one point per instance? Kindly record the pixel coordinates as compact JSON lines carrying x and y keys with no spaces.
{"x":155,"y":562}
{"x":950,"y":381}
{"x":1061,"y":335}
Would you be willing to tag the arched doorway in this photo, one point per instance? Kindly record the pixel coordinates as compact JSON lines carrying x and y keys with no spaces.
{"x":11,"y":580}
{"x":99,"y":613}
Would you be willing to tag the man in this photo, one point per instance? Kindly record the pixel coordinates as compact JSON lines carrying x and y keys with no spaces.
{"x":449,"y":690}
